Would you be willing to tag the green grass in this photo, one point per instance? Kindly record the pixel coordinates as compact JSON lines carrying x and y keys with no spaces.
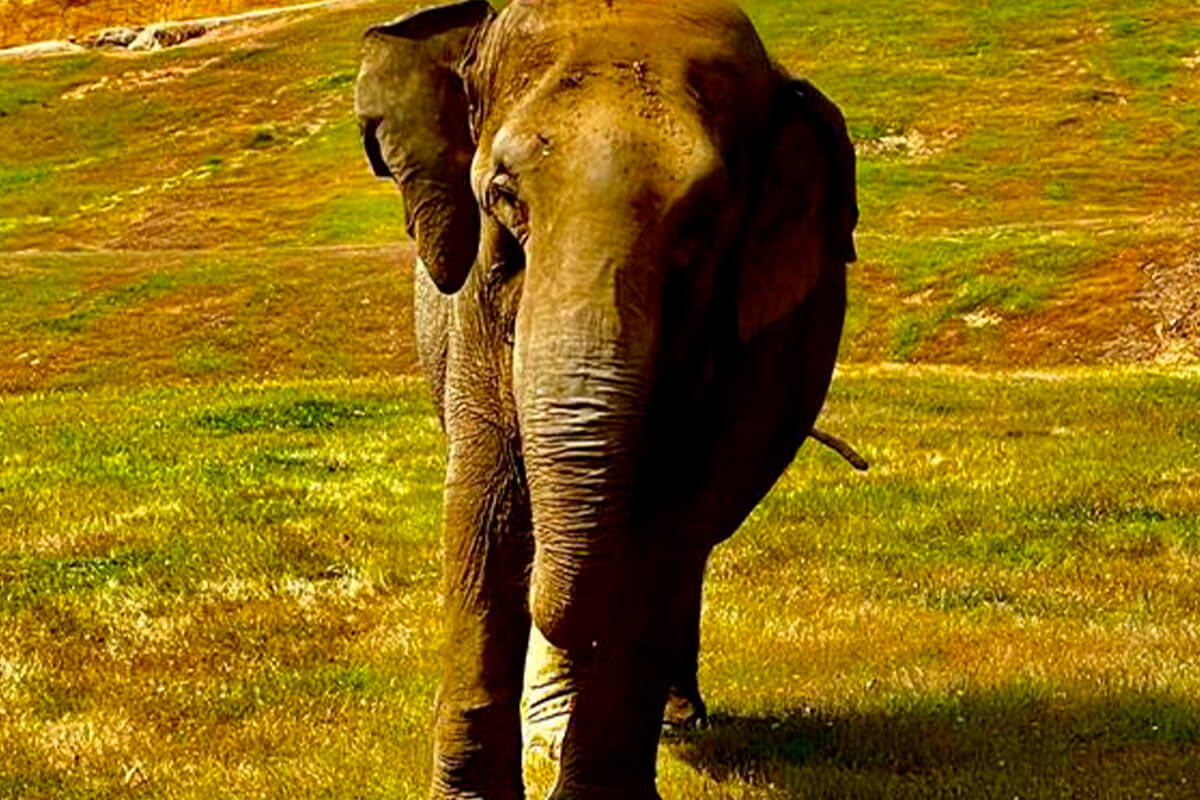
{"x":224,"y":546}
{"x":1011,"y":119}
{"x":1001,"y":606}
{"x":110,"y":302}
{"x":359,"y":214}
{"x":121,"y":156}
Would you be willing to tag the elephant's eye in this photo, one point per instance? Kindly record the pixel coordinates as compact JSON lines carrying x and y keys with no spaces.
{"x":504,"y":203}
{"x":503,"y":188}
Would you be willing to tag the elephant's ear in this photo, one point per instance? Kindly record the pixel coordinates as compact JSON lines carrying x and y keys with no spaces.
{"x":805,"y":209}
{"x":413,"y":113}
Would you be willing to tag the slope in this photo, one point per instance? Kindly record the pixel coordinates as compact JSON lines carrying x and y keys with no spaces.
{"x":1028,"y":175}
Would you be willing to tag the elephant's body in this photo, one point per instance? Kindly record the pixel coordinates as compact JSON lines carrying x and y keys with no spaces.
{"x":634,"y":230}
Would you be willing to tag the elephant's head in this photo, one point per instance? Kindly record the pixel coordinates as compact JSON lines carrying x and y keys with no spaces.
{"x":660,"y":189}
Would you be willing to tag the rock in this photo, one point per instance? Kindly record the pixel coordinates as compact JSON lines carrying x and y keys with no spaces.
{"x":156,"y":37}
{"x":112,"y":37}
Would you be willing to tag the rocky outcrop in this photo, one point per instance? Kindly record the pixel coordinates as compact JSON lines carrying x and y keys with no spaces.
{"x":111,"y":37}
{"x":156,"y":37}
{"x":146,"y":37}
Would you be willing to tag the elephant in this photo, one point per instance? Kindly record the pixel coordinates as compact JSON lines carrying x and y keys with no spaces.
{"x":632,"y":230}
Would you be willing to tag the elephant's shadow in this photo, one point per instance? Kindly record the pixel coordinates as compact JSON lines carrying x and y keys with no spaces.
{"x":1002,"y":744}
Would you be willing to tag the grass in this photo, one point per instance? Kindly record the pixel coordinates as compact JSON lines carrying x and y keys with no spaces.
{"x":1003,"y":606}
{"x":176,"y":588}
{"x":80,"y":320}
{"x":97,"y":126}
{"x":23,"y":21}
{"x":983,"y":128}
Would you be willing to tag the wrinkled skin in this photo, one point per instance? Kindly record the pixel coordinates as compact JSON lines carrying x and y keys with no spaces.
{"x":634,"y":231}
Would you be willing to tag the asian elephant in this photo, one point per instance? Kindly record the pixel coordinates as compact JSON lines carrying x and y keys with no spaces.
{"x":634,"y":230}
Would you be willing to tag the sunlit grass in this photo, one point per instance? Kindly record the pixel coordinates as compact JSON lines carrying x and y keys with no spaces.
{"x":237,"y":587}
{"x":986,"y":128}
{"x":230,"y":579}
{"x":1005,"y":606}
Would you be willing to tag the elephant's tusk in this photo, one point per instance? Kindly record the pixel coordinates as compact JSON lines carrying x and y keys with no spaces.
{"x":841,"y":448}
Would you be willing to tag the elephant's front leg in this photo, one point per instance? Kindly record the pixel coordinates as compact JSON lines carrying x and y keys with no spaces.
{"x":611,"y":743}
{"x":477,"y":739}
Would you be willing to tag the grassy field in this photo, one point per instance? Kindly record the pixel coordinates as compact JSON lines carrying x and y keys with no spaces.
{"x":220,"y":481}
{"x":232,"y":592}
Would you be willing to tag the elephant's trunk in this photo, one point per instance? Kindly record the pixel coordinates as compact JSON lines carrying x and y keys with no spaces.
{"x":584,"y":355}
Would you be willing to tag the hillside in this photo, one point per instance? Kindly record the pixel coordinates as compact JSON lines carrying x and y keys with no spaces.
{"x":1028,"y":181}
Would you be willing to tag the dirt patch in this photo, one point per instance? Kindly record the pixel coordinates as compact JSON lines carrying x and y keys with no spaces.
{"x":1133,"y":308}
{"x":82,"y":30}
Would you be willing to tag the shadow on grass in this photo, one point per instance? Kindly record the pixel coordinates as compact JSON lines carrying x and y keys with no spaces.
{"x":1004,"y":744}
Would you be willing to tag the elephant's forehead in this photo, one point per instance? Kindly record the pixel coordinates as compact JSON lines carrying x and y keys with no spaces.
{"x":651,"y":55}
{"x":624,"y":7}
{"x":631,"y":29}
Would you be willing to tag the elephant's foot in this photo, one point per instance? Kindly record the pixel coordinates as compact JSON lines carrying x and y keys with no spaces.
{"x":685,"y":709}
{"x":476,"y":751}
{"x":544,"y":723}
